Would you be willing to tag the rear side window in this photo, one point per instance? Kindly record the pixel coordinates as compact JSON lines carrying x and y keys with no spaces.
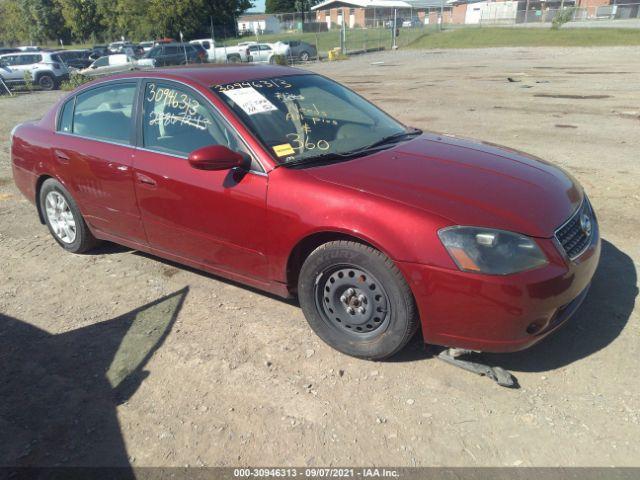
{"x":105,"y":113}
{"x":206,"y":45}
{"x":65,"y":123}
{"x":101,"y":62}
{"x":27,"y":59}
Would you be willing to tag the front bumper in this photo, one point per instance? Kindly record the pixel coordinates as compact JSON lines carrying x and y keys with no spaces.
{"x":501,"y":313}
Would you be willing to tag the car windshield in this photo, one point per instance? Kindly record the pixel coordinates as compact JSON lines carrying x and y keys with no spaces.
{"x":306,"y":118}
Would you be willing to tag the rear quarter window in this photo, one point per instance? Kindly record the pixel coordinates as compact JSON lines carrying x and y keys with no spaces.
{"x":65,"y":122}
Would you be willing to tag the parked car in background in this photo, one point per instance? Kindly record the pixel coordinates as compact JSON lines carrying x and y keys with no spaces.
{"x":412,"y":22}
{"x":29,"y":48}
{"x":296,"y":50}
{"x":46,"y":69}
{"x":77,"y":59}
{"x":110,"y":64}
{"x":261,"y":53}
{"x":224,"y":54}
{"x":146,"y":46}
{"x":116,"y":47}
{"x":167,"y":54}
{"x":98,"y":51}
{"x":398,"y":22}
{"x":376,"y":227}
{"x":4,"y":50}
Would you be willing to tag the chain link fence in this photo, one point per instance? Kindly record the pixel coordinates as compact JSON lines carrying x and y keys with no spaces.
{"x":352,"y":31}
{"x":356,"y":32}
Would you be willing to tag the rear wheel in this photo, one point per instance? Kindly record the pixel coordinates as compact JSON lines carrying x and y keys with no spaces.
{"x":46,"y":81}
{"x":356,"y":300}
{"x":63,"y":218}
{"x":304,"y":56}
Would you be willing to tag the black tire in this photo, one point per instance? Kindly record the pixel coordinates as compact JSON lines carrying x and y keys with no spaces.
{"x":47,"y":82}
{"x":386,"y":316}
{"x":304,"y":56}
{"x":84,"y":239}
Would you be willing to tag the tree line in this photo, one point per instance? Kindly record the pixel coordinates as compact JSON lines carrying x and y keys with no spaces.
{"x":289,"y":6}
{"x":84,"y":21}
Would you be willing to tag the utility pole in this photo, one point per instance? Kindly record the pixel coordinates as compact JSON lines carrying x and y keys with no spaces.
{"x":441,"y":14}
{"x":395,"y":26}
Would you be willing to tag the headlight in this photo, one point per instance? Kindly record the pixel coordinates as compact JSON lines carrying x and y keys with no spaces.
{"x":494,"y":252}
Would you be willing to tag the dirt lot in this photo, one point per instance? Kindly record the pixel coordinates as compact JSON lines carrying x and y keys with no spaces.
{"x":106,"y":366}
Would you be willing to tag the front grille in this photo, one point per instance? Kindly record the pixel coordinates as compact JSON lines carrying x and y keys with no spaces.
{"x":575,"y":235}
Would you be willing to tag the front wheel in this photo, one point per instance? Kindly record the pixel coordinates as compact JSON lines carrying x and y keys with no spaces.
{"x":356,"y":300}
{"x":304,"y":56}
{"x":63,"y":218}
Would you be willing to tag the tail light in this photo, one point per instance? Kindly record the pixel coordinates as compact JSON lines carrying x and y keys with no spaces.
{"x":247,"y":52}
{"x":200,"y":54}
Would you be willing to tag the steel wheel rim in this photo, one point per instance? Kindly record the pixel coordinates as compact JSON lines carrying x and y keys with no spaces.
{"x":60,"y":217}
{"x":353,"y":301}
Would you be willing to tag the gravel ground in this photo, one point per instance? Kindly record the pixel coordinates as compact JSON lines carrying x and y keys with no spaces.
{"x":121,"y":358}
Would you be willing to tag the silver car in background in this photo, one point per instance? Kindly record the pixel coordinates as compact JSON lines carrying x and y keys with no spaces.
{"x":45,"y":69}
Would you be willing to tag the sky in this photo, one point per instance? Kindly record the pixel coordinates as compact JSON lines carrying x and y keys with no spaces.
{"x":258,"y":6}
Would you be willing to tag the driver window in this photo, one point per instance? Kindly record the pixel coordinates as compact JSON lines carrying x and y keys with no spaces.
{"x":177,"y":122}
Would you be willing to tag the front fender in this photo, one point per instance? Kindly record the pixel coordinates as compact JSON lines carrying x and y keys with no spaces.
{"x":299,"y":206}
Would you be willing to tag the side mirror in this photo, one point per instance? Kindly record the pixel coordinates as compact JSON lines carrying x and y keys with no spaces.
{"x":215,"y":157}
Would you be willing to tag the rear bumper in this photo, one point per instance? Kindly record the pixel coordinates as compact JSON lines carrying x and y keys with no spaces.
{"x":501,"y":313}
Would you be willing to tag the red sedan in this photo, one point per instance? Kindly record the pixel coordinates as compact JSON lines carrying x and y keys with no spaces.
{"x":284,"y":180}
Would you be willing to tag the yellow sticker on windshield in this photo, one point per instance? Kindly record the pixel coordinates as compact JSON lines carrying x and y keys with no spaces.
{"x":284,"y":150}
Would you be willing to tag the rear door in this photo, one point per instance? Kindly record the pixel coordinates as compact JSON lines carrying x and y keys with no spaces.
{"x":213,"y":218}
{"x":254,"y":52}
{"x":171,"y":56}
{"x":265,"y":53}
{"x":94,"y":155}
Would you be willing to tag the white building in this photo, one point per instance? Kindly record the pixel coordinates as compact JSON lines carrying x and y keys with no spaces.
{"x":259,"y":23}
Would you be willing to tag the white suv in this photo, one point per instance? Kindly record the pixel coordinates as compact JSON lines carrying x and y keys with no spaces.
{"x":47,"y":69}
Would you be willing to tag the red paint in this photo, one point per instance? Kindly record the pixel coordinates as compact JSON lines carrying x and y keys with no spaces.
{"x":245,"y":226}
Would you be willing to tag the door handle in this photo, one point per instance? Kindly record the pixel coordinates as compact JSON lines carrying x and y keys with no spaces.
{"x":145,"y":180}
{"x":60,"y":155}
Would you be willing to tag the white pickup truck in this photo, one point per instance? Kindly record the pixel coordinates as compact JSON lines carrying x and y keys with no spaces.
{"x":226,"y":54}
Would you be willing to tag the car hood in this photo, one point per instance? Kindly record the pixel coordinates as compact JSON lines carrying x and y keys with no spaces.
{"x":465,"y":182}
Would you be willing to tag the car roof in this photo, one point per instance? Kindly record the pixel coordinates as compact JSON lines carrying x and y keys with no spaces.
{"x":211,"y":74}
{"x":21,"y":52}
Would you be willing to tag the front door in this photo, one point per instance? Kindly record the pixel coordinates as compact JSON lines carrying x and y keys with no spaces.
{"x":13,"y":69}
{"x":214,"y":218}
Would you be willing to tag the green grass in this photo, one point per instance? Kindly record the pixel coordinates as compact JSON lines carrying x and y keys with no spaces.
{"x":482,"y":37}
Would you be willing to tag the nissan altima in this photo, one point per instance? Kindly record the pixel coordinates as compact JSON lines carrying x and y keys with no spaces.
{"x":287,"y":181}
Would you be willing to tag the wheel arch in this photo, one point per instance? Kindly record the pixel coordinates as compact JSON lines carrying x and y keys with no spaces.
{"x":40,"y":73}
{"x":39,"y":182}
{"x":303,"y":248}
